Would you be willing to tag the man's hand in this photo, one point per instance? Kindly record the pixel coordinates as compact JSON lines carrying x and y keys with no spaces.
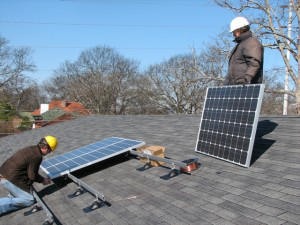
{"x":46,"y":181}
{"x":248,"y":79}
{"x":243,"y":81}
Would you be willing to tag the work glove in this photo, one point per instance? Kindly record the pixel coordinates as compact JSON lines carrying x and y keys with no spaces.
{"x":248,"y":79}
{"x":46,"y":181}
{"x":244,"y":81}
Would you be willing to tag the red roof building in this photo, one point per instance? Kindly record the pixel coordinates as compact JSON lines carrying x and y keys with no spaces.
{"x":57,"y":111}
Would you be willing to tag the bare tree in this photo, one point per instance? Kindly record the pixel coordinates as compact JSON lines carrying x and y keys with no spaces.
{"x":178,"y":85}
{"x":272,"y":101}
{"x":13,"y":62}
{"x":271,"y":23}
{"x":147,"y":100}
{"x":57,"y":86}
{"x":100,"y":78}
{"x":213,"y":59}
{"x":15,"y":88}
{"x":24,"y":94}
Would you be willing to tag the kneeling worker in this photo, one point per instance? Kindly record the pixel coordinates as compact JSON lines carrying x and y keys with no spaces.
{"x":18,"y":173}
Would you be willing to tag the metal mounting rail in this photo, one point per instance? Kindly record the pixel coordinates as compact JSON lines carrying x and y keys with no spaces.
{"x":80,"y":183}
{"x":172,"y":162}
{"x":40,"y":204}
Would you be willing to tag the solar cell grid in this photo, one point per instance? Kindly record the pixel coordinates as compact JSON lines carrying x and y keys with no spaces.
{"x":87,"y":155}
{"x":228,"y":123}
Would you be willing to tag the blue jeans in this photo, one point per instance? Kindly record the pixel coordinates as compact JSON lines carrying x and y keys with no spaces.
{"x":17,"y":198}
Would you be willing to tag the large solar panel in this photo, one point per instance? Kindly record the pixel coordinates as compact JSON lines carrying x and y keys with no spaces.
{"x":229,"y":121}
{"x":87,"y":155}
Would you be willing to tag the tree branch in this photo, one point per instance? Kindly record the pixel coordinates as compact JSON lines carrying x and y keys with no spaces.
{"x":280,"y":92}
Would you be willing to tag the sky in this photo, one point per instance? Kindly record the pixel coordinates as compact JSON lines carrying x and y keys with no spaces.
{"x":149,"y":31}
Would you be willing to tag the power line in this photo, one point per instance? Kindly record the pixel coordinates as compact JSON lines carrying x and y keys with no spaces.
{"x":86,"y":47}
{"x":108,"y":25}
{"x":144,"y":3}
{"x":140,"y":2}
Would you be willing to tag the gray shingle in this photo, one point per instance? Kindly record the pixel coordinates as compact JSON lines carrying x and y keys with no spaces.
{"x":239,"y":209}
{"x":222,"y":222}
{"x":271,"y":211}
{"x":228,"y":215}
{"x":217,"y":193}
{"x":270,"y":220}
{"x":290,"y":217}
{"x":246,"y":221}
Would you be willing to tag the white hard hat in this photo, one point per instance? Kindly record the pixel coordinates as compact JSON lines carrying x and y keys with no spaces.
{"x":238,"y":22}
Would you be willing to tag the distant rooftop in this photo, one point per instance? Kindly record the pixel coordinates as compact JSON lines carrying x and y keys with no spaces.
{"x":64,"y":106}
{"x":57,"y":111}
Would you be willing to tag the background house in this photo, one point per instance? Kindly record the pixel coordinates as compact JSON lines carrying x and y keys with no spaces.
{"x":57,"y":111}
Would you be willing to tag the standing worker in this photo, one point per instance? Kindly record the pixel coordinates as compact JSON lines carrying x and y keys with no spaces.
{"x":18,"y":173}
{"x":246,"y":59}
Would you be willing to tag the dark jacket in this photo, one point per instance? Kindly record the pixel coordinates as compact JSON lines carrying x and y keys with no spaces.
{"x":22,"y":168}
{"x":246,"y":61}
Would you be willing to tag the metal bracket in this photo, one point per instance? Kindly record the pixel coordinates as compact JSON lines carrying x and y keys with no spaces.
{"x":172,"y":162}
{"x":173,"y":166}
{"x":173,"y":172}
{"x":100,"y":199}
{"x":95,"y":205}
{"x":78,"y":192}
{"x":38,"y":206}
{"x":47,"y":222}
{"x":144,"y":167}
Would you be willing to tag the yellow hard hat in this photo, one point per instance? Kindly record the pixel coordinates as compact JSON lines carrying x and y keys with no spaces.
{"x":52,"y":142}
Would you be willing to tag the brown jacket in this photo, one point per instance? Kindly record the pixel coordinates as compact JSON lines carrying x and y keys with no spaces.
{"x":246,"y":61}
{"x":22,"y":168}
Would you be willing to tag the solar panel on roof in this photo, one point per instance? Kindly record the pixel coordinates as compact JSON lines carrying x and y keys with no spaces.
{"x":87,"y":155}
{"x":229,"y":120}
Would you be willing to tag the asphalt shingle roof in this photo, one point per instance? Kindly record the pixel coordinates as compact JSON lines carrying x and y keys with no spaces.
{"x":268,"y":192}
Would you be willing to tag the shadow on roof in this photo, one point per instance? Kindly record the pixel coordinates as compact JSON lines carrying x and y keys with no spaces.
{"x":62,"y":181}
{"x":261,"y":145}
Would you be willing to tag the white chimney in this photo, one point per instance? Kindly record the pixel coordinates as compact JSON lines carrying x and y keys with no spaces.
{"x":44,"y":108}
